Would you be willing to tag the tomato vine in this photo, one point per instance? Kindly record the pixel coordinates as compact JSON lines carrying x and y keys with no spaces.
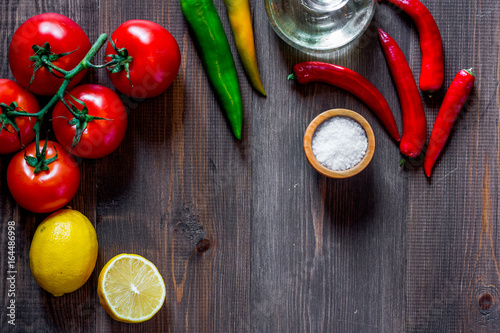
{"x":81,"y":117}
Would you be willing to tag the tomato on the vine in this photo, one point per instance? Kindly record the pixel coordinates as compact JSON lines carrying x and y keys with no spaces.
{"x":47,"y":190}
{"x":153,"y":54}
{"x":63,"y":35}
{"x":99,"y":137}
{"x":11,"y":91}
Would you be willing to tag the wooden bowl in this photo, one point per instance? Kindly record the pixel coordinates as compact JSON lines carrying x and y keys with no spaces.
{"x":311,"y":129}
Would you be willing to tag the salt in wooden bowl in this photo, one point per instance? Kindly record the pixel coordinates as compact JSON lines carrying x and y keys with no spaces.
{"x":311,"y":129}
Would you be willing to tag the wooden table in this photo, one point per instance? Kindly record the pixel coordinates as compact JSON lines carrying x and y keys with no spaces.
{"x":290,"y":250}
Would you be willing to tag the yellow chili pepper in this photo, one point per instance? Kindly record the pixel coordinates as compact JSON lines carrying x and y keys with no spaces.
{"x":238,"y":12}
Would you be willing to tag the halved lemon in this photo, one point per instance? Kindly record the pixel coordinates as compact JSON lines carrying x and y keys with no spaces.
{"x":130,"y":288}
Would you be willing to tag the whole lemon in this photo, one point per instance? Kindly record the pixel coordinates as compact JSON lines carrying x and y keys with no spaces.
{"x":63,"y":252}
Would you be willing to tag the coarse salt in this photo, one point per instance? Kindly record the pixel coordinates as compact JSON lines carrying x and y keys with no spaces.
{"x":339,"y":143}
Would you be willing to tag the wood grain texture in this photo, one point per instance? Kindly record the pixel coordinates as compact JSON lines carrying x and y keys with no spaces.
{"x":290,"y":250}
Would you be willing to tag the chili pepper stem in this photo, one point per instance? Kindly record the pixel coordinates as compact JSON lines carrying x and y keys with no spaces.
{"x":469,"y":71}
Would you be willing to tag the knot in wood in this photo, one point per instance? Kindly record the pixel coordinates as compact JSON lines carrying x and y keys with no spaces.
{"x":202,"y":245}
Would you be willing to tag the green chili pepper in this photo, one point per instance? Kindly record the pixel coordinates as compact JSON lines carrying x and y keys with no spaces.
{"x":216,"y":56}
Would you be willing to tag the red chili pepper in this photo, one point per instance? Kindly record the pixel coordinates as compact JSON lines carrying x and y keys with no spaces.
{"x":431,"y":44}
{"x":414,"y":124}
{"x":352,"y":82}
{"x":454,"y":100}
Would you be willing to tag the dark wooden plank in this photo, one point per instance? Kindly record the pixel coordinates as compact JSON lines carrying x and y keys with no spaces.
{"x":327,"y":254}
{"x":417,"y":289}
{"x":36,"y":309}
{"x":188,"y":180}
{"x":452,"y":236}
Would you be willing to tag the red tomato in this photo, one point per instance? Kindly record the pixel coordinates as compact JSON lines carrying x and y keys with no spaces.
{"x":11,"y":91}
{"x":155,"y":58}
{"x":45,"y":191}
{"x":63,"y":35}
{"x":101,"y":137}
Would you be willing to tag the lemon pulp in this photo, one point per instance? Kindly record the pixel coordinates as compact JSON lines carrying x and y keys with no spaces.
{"x":130,"y":288}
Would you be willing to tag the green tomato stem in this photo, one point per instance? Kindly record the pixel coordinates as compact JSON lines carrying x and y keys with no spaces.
{"x":54,"y":67}
{"x":20,"y":114}
{"x":68,"y":76}
{"x":85,"y":63}
{"x":111,"y":63}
